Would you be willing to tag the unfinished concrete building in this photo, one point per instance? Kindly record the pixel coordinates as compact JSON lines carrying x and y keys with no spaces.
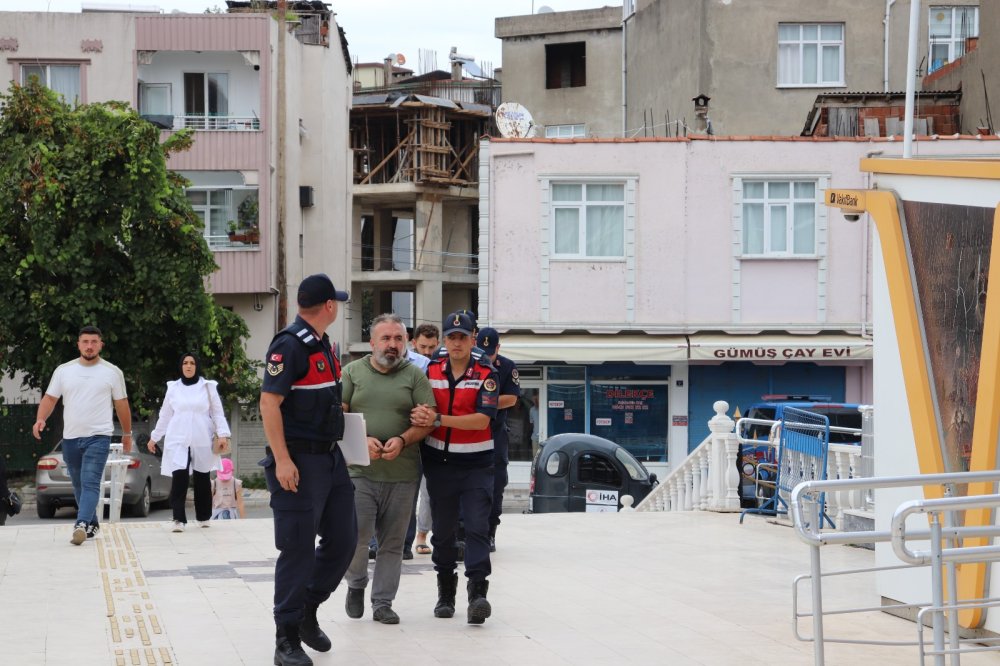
{"x":416,"y":196}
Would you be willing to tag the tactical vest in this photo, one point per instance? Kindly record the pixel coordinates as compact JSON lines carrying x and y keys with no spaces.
{"x":465,"y":447}
{"x":313,"y":409}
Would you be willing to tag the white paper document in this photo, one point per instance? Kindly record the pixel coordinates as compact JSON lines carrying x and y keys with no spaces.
{"x":354,"y":446}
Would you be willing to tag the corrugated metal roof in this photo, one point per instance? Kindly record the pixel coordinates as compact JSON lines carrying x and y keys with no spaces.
{"x":478,"y":108}
{"x":424,"y":99}
{"x":374,"y":98}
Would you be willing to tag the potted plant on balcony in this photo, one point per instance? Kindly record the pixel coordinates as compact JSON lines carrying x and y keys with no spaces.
{"x":246,"y":229}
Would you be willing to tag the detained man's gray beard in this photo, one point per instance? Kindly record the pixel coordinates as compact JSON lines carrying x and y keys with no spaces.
{"x":384,"y":362}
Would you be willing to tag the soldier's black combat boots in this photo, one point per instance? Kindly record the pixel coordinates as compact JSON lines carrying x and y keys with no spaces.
{"x":287,"y":648}
{"x":310,"y":633}
{"x":479,"y":608}
{"x":447,"y":585}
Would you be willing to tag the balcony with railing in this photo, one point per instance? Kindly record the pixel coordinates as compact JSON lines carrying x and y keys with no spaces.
{"x":204,"y":91}
{"x":212,"y":122}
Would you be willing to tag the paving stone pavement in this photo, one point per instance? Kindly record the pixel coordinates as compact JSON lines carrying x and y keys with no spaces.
{"x":603,"y":589}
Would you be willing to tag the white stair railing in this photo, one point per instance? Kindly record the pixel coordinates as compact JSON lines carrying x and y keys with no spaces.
{"x":707,"y":480}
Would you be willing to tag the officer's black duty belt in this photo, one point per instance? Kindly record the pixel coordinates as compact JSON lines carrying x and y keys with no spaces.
{"x":306,"y":446}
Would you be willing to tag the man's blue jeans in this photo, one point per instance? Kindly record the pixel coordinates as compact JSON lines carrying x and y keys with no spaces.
{"x":85,"y":458}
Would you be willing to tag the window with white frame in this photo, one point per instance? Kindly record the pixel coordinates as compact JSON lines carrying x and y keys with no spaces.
{"x":779,"y":218}
{"x":588,"y":220}
{"x":565,"y":131}
{"x":154,"y":99}
{"x":63,"y":78}
{"x":810,"y":54}
{"x":948,"y":28}
{"x":230,"y":210}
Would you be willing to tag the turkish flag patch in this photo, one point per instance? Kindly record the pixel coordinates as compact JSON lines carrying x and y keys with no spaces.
{"x":276,"y":358}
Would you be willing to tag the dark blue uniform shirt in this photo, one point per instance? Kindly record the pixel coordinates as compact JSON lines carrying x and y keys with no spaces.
{"x":304,"y":369}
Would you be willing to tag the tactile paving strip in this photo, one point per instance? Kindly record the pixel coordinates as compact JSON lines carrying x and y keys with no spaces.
{"x":136,"y":635}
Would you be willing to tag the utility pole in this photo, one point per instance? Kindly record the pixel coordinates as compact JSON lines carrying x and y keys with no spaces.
{"x":282,"y":269}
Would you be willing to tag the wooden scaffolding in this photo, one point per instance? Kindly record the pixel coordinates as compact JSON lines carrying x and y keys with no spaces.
{"x":416,"y":141}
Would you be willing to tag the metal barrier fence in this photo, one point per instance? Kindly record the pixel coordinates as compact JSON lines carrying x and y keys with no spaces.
{"x":803,"y":447}
{"x":805,"y":509}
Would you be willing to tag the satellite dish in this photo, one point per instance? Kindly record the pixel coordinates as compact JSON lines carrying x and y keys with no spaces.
{"x":544,"y":9}
{"x":514,"y":121}
{"x":400,"y":59}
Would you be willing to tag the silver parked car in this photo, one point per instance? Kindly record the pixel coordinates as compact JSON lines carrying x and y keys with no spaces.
{"x":143,"y":482}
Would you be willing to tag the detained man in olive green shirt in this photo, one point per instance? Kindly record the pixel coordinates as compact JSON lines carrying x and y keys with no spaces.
{"x":384,"y":387}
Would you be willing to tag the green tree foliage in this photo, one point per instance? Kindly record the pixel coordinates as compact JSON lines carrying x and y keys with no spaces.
{"x":95,"y":230}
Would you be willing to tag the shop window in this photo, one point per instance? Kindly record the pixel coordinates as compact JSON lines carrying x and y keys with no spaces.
{"x":633,"y":415}
{"x":523,"y":425}
{"x":565,"y":65}
{"x":565,"y":372}
{"x":595,"y":468}
{"x":566,"y":408}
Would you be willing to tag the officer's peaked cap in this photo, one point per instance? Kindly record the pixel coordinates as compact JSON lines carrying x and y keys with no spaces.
{"x":318,"y":289}
{"x":487,"y":340}
{"x":457,"y":322}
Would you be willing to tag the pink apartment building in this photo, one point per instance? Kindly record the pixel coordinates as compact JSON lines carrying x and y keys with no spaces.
{"x":256,"y":157}
{"x":638,"y":281}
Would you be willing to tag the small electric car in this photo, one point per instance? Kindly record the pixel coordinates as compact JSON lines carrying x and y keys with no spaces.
{"x":578,"y":472}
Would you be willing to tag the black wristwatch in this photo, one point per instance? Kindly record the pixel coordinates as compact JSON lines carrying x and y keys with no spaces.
{"x":437,"y":421}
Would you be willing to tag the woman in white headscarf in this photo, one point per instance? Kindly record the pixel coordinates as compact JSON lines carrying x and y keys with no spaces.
{"x":192,"y":414}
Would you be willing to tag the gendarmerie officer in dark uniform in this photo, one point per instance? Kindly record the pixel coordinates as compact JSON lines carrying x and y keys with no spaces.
{"x":311,"y":493}
{"x":458,"y":464}
{"x":488,"y":340}
{"x":477,"y":353}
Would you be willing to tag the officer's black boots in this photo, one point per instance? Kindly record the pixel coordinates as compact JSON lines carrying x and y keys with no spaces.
{"x":447,"y":586}
{"x":479,"y":608}
{"x":288,"y":650}
{"x":310,"y":633}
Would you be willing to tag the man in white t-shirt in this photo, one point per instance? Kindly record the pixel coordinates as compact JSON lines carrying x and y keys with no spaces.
{"x":89,"y":386}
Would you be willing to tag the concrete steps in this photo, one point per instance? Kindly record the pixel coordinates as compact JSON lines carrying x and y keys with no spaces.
{"x":515,"y":498}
